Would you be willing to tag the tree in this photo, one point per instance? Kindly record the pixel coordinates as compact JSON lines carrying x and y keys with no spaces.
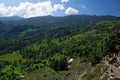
{"x":112,"y":43}
{"x":58,"y":62}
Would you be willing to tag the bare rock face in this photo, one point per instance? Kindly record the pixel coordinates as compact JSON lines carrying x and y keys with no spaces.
{"x":118,"y":60}
{"x":107,"y":74}
{"x":112,"y":70}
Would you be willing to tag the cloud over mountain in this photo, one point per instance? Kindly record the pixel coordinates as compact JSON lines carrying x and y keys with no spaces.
{"x":71,"y":10}
{"x":58,"y":7}
{"x":27,"y":9}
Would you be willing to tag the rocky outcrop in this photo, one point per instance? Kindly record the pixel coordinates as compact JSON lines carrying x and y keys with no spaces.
{"x":112,"y":70}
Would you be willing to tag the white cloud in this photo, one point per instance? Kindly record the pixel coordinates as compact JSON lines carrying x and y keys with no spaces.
{"x":3,"y":9}
{"x":27,"y":9}
{"x":71,"y":10}
{"x":64,"y":1}
{"x":58,"y":6}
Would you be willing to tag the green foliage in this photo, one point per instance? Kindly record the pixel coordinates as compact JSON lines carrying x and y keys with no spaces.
{"x":11,"y":57}
{"x":47,"y":73}
{"x":48,"y":40}
{"x":8,"y":74}
{"x":58,"y":62}
{"x":113,"y":42}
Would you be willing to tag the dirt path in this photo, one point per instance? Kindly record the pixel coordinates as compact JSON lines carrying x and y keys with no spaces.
{"x":81,"y":75}
{"x":115,"y":69}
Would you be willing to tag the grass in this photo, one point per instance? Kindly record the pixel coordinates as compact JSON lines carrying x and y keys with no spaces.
{"x":11,"y":57}
{"x":18,"y":70}
{"x":95,"y":74}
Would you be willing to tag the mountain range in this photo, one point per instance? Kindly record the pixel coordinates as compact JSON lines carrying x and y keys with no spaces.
{"x":31,"y":46}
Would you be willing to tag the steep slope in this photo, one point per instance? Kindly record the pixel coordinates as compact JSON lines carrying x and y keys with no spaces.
{"x":35,"y":29}
{"x":12,"y":18}
{"x":89,"y":47}
{"x":2,"y":28}
{"x":38,"y":45}
{"x":52,"y":24}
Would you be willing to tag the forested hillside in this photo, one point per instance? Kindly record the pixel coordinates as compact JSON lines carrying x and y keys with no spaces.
{"x":32,"y":30}
{"x":30,"y":46}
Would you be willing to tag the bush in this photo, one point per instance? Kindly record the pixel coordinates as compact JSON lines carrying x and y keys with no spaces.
{"x":112,"y":44}
{"x":58,"y":62}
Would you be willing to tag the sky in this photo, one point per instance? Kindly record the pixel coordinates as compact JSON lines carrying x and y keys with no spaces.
{"x":34,"y":8}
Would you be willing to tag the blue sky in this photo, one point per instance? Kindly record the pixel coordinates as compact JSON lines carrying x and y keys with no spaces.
{"x":33,"y":8}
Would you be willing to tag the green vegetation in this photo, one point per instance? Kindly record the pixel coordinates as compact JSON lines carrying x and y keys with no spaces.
{"x":95,"y":73}
{"x":113,"y":42}
{"x":43,"y":48}
{"x":47,"y":73}
{"x":11,"y":57}
{"x":58,"y":62}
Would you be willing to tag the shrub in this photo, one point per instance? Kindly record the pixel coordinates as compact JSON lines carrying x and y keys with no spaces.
{"x":58,"y":62}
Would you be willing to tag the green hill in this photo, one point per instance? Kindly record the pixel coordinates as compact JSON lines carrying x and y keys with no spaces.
{"x":44,"y":44}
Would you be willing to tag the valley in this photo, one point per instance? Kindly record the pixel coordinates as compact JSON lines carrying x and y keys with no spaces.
{"x":39,"y":48}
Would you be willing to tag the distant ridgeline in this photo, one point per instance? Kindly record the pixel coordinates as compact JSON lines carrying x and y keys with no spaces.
{"x":46,"y":41}
{"x":16,"y":32}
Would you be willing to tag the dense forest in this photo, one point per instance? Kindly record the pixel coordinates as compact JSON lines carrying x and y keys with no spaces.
{"x":28,"y":45}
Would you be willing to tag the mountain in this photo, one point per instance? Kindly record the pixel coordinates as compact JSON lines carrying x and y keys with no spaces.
{"x":39,"y":48}
{"x":12,"y":18}
{"x":31,"y":30}
{"x":44,"y":20}
{"x":2,"y":28}
{"x":54,"y":24}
